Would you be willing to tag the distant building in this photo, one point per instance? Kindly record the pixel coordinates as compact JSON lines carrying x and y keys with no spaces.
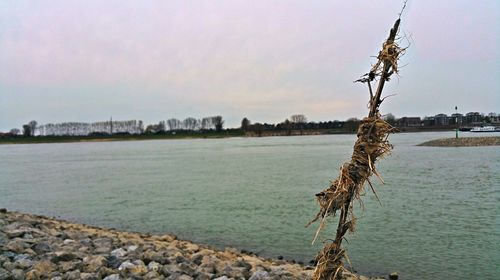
{"x":409,"y":122}
{"x":473,"y":118}
{"x":441,"y":120}
{"x":428,"y":121}
{"x":457,"y":117}
{"x":494,"y":118}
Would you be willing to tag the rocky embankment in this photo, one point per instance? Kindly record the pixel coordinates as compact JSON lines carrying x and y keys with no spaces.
{"x":464,"y":142}
{"x":38,"y":247}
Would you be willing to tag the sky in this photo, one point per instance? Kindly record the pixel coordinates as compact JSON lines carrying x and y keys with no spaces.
{"x":91,"y":60}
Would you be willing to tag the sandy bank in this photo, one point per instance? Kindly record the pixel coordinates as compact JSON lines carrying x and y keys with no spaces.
{"x":464,"y":142}
{"x":38,"y":247}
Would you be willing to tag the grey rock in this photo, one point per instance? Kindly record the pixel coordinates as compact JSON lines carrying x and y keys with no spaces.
{"x":280,"y":271}
{"x":56,"y":278}
{"x":105,"y":271}
{"x":222,"y":278}
{"x":197,"y":258}
{"x":73,"y":234}
{"x":71,"y":265}
{"x":112,"y":277}
{"x":102,"y":250}
{"x":54,"y":274}
{"x":208,"y":268}
{"x":151,"y":255}
{"x":125,"y":265}
{"x":113,"y":262}
{"x":86,"y":242}
{"x":103,"y":245}
{"x":180,"y":259}
{"x":4,"y":274}
{"x":41,"y":247}
{"x":170,"y":270}
{"x":32,"y":275}
{"x":204,"y":276}
{"x":260,"y":275}
{"x":135,"y":268}
{"x":154,"y":266}
{"x":93,"y":263}
{"x":187,"y":269}
{"x":18,"y":274}
{"x":22,"y":257}
{"x":235,"y":272}
{"x":119,"y":253}
{"x":140,"y":268}
{"x":3,"y":238}
{"x":132,"y":248}
{"x":185,"y":277}
{"x":244,"y":264}
{"x":44,"y":268}
{"x":174,"y":276}
{"x":72,"y":275}
{"x":152,"y":275}
{"x":9,"y":254}
{"x":68,"y":241}
{"x":27,"y":236}
{"x":63,"y":256}
{"x":88,"y":276}
{"x":15,"y":233}
{"x":14,"y":225}
{"x":16,"y":246}
{"x":24,"y":263}
{"x":8,"y":265}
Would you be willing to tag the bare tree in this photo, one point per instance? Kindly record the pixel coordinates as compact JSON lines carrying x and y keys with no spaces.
{"x":140,"y":127}
{"x":287,"y":125}
{"x":80,"y":128}
{"x":174,"y":124}
{"x":299,"y":120}
{"x":26,"y":130}
{"x":32,"y":125}
{"x":15,"y":131}
{"x":161,"y":126}
{"x":245,"y":123}
{"x":206,"y":123}
{"x":218,"y":122}
{"x":190,"y":123}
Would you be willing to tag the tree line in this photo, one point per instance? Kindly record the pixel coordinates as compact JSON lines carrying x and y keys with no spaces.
{"x":295,"y":124}
{"x":214,"y":123}
{"x":298,"y":123}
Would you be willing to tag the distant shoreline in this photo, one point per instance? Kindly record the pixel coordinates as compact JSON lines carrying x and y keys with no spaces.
{"x":112,"y":138}
{"x":230,"y":133}
{"x":464,"y":142}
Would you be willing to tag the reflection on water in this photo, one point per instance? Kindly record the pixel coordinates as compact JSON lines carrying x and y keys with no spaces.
{"x":439,"y":219}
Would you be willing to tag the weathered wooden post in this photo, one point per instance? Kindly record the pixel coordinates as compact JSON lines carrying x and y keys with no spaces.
{"x":371,"y":145}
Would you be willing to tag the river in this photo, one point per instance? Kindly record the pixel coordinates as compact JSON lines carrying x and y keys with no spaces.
{"x":439,"y":217}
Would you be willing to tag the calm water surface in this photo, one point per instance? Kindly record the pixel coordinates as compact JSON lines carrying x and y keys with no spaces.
{"x":439,"y":217}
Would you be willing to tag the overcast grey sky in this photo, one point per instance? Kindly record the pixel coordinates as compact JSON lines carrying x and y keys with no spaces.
{"x":265,"y":60}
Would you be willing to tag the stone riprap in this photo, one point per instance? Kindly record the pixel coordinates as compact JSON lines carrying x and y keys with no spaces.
{"x":38,"y":247}
{"x":464,"y":142}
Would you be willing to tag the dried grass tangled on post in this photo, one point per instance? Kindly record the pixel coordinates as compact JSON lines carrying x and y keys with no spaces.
{"x":372,"y":144}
